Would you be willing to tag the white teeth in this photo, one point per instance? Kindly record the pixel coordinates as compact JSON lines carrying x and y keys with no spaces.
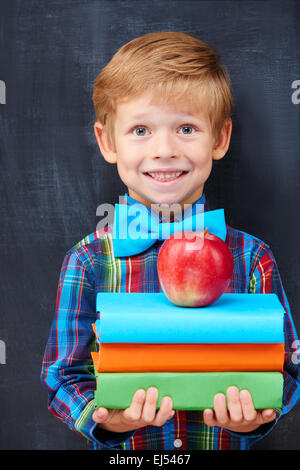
{"x":162,"y":176}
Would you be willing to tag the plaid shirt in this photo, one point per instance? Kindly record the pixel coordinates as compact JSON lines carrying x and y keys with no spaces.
{"x":67,"y":371}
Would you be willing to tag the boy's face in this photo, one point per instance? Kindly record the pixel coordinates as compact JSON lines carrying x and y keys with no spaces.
{"x":152,"y":141}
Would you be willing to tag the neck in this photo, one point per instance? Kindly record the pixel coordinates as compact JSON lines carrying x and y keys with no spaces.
{"x":168,"y":211}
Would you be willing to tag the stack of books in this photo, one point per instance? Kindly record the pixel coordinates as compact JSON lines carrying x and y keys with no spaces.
{"x":188,"y":353}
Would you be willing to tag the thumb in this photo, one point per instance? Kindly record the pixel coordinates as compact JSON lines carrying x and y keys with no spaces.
{"x":101,"y":415}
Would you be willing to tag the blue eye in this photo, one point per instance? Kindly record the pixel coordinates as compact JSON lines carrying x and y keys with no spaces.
{"x":187,"y":130}
{"x":140,"y":131}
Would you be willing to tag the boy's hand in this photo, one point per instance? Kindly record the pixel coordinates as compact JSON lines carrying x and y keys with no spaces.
{"x":141,"y":412}
{"x":241,"y":415}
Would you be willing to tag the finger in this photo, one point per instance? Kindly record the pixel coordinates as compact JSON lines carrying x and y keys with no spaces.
{"x":100,"y":415}
{"x":249,"y":412}
{"x":149,"y":410}
{"x":208,"y":417}
{"x":165,"y":412}
{"x":234,"y":405}
{"x":221,"y":410}
{"x":134,"y":412}
{"x":268,"y":415}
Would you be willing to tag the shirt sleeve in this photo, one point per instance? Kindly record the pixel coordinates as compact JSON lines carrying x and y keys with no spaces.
{"x":67,"y":369}
{"x":265,"y":279}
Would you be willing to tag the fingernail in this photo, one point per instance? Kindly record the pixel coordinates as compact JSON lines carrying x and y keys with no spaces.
{"x":219,"y":397}
{"x":208,"y":413}
{"x":140,"y":394}
{"x":152,"y":392}
{"x":233,"y":391}
{"x":269,"y":413}
{"x":244,"y":394}
{"x":166,"y":400}
{"x":101,"y":414}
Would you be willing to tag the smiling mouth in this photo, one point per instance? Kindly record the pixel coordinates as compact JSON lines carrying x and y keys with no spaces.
{"x":166,"y":177}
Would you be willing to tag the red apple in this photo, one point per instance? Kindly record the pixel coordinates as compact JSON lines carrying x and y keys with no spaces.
{"x":194,"y":268}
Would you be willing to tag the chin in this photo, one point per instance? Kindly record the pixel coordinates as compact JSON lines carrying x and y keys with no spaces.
{"x":166,"y":202}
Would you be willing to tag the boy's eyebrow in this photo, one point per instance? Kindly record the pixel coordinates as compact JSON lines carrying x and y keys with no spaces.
{"x":182,"y":115}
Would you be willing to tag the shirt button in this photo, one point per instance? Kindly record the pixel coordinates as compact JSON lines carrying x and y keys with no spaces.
{"x":177,"y":443}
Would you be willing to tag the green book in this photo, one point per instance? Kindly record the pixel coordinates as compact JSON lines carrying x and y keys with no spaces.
{"x":189,"y":391}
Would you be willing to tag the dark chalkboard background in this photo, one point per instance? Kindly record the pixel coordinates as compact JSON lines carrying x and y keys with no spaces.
{"x":53,"y":177}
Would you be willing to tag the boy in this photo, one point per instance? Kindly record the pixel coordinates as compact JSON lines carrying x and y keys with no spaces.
{"x":163,"y":106}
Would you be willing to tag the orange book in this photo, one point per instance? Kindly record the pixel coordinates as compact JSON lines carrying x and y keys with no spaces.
{"x":137,"y":357}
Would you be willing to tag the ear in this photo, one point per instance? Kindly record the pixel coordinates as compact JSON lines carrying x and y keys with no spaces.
{"x":105,"y":146}
{"x":223,"y":142}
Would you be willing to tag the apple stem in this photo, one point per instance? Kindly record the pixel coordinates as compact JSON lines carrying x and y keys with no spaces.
{"x":206,"y":230}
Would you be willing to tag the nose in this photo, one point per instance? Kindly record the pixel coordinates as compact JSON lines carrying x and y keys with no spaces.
{"x":164,"y":145}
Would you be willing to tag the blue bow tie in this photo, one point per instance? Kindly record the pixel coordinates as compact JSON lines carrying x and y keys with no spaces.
{"x":136,"y":228}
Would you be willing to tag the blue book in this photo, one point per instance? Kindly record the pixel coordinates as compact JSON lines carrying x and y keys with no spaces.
{"x":153,"y":318}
